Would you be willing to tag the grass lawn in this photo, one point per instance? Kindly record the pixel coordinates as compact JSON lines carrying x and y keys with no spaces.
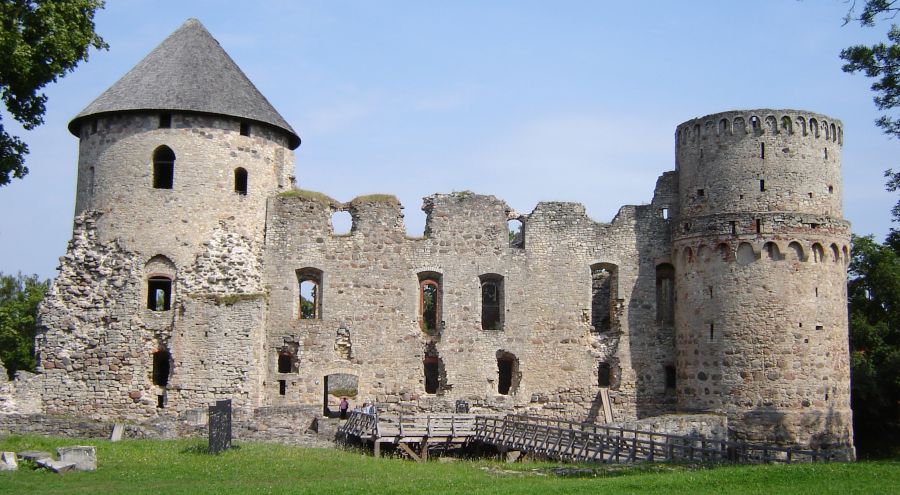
{"x":181,"y":466}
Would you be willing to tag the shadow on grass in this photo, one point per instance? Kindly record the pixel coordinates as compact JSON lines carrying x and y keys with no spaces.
{"x":202,"y":449}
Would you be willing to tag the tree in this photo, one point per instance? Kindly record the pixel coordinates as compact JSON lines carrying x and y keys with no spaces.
{"x":879,"y":61}
{"x":19,"y":299}
{"x":40,"y":41}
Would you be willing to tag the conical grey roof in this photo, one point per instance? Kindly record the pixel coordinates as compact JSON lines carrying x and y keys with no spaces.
{"x":188,"y":71}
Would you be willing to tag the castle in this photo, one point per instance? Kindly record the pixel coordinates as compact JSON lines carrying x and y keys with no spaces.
{"x":197,"y":271}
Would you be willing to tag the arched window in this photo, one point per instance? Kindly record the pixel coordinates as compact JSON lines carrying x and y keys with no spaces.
{"x":430,"y":302}
{"x":240,"y":181}
{"x":665,"y":294}
{"x":309,"y":281}
{"x":163,"y":168}
{"x":604,"y":294}
{"x":491,"y":301}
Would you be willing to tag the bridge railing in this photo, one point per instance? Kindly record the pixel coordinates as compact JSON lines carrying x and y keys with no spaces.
{"x":573,"y":441}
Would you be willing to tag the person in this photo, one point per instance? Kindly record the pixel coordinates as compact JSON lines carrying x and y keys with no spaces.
{"x":343,"y":407}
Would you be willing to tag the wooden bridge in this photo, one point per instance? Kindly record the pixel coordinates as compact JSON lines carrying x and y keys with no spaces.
{"x":425,"y":431}
{"x":558,"y":439}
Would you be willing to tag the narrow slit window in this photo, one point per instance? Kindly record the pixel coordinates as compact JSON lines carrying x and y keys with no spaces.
{"x":670,"y":377}
{"x":712,"y":332}
{"x":758,"y":226}
{"x":762,"y":150}
{"x":762,"y":185}
{"x":665,"y":294}
{"x":165,"y":120}
{"x":163,"y":168}
{"x":664,"y":213}
{"x":604,"y":295}
{"x":603,"y":375}
{"x":491,"y":302}
{"x":282,"y":387}
{"x":240,"y":181}
{"x":733,"y":227}
{"x":507,"y":373}
{"x":162,"y":360}
{"x":431,"y":365}
{"x":430,"y":302}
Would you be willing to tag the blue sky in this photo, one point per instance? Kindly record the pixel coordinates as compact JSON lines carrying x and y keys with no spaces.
{"x":528,"y":101}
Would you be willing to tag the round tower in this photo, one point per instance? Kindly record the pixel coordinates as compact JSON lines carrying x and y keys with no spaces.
{"x":761,"y":252}
{"x":180,"y":144}
{"x":177,"y":161}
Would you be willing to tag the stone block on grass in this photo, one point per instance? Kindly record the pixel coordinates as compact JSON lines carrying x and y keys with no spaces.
{"x":83,"y":456}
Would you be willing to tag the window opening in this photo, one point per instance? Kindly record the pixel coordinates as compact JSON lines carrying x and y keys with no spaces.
{"x":163,"y":168}
{"x":159,"y":293}
{"x":700,"y":193}
{"x":161,"y":401}
{"x":712,"y":332}
{"x":603,"y":375}
{"x":830,"y":189}
{"x":491,"y":302}
{"x":758,"y":226}
{"x":240,"y":181}
{"x":762,"y":185}
{"x":670,"y":377}
{"x":665,"y":213}
{"x":310,"y":284}
{"x":507,"y":373}
{"x":165,"y":120}
{"x":161,"y":367}
{"x":285,"y":362}
{"x":826,"y":153}
{"x":432,"y":372}
{"x":733,"y":227}
{"x":516,"y":233}
{"x":820,"y":327}
{"x":282,"y":387}
{"x":94,"y":126}
{"x":762,"y":150}
{"x":430,"y":302}
{"x":603,"y":296}
{"x":245,"y":129}
{"x":665,"y":294}
{"x":341,"y":222}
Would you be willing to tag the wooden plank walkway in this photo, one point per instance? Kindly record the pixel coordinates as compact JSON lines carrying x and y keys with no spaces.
{"x":423,"y":431}
{"x":557,"y":439}
{"x":571,"y":441}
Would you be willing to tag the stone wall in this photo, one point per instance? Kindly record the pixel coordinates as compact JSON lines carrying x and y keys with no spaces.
{"x":370,"y":297}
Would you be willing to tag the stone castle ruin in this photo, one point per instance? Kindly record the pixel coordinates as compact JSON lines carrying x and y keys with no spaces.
{"x":197,"y":272}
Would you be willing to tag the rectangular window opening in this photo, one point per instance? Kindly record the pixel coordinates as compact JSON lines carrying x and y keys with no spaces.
{"x":670,"y":377}
{"x":165,"y":120}
{"x":758,"y":226}
{"x":762,"y":185}
{"x":701,"y":193}
{"x":712,"y":332}
{"x":733,"y":227}
{"x":282,"y":387}
{"x":245,"y":129}
{"x":762,"y":150}
{"x":161,"y":401}
{"x":820,"y":327}
{"x":665,"y":213}
{"x":159,"y":294}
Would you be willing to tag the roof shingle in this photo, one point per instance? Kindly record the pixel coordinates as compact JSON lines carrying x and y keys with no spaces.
{"x":188,"y":71}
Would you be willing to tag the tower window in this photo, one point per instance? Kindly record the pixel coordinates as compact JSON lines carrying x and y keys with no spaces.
{"x":165,"y":120}
{"x":432,"y":374}
{"x":282,"y":387}
{"x":285,"y":362}
{"x":163,"y":168}
{"x":159,"y":293}
{"x":240,"y":181}
{"x":762,"y":185}
{"x":245,"y":129}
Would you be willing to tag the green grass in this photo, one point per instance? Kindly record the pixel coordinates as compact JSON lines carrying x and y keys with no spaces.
{"x":182,"y":466}
{"x":375,"y":198}
{"x":311,"y":196}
